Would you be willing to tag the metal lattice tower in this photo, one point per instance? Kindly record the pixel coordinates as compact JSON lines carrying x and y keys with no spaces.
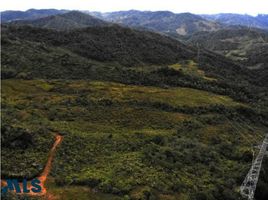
{"x":249,"y":185}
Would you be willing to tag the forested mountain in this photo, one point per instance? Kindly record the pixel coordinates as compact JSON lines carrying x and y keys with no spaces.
{"x":112,"y":43}
{"x":66,"y":21}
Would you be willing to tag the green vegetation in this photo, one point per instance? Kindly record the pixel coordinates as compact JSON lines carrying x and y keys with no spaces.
{"x":133,"y":142}
{"x":24,"y":153}
{"x":135,"y":125}
{"x":118,"y":54}
{"x":106,"y":44}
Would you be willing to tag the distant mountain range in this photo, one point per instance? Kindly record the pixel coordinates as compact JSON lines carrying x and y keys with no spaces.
{"x":260,"y":21}
{"x":11,"y":15}
{"x":161,"y":21}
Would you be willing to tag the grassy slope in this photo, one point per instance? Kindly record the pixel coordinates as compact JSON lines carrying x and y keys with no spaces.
{"x":117,"y":142}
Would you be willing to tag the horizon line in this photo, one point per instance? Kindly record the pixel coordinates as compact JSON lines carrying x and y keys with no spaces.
{"x":216,"y":13}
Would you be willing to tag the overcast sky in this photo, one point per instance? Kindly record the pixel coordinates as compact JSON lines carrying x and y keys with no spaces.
{"x":252,"y":7}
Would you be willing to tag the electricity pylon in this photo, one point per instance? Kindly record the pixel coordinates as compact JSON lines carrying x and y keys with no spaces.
{"x":249,"y":185}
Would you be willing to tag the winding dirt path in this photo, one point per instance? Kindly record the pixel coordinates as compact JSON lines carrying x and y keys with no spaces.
{"x":43,"y":176}
{"x":47,"y":169}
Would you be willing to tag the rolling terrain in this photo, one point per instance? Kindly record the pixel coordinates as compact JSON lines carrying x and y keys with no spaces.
{"x":143,"y":116}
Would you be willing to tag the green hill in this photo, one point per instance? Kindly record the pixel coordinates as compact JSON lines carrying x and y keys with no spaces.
{"x":115,"y":43}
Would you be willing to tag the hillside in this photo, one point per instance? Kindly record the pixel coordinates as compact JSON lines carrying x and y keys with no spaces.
{"x":66,"y":21}
{"x":162,"y":21}
{"x":118,"y":51}
{"x":114,"y":43}
{"x":247,"y":46}
{"x":142,"y":116}
{"x":238,"y":43}
{"x":259,"y":21}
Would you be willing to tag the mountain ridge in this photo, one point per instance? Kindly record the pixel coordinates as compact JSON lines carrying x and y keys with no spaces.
{"x":161,"y":21}
{"x":259,"y":21}
{"x":65,"y":21}
{"x":30,"y":14}
{"x":173,"y":24}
